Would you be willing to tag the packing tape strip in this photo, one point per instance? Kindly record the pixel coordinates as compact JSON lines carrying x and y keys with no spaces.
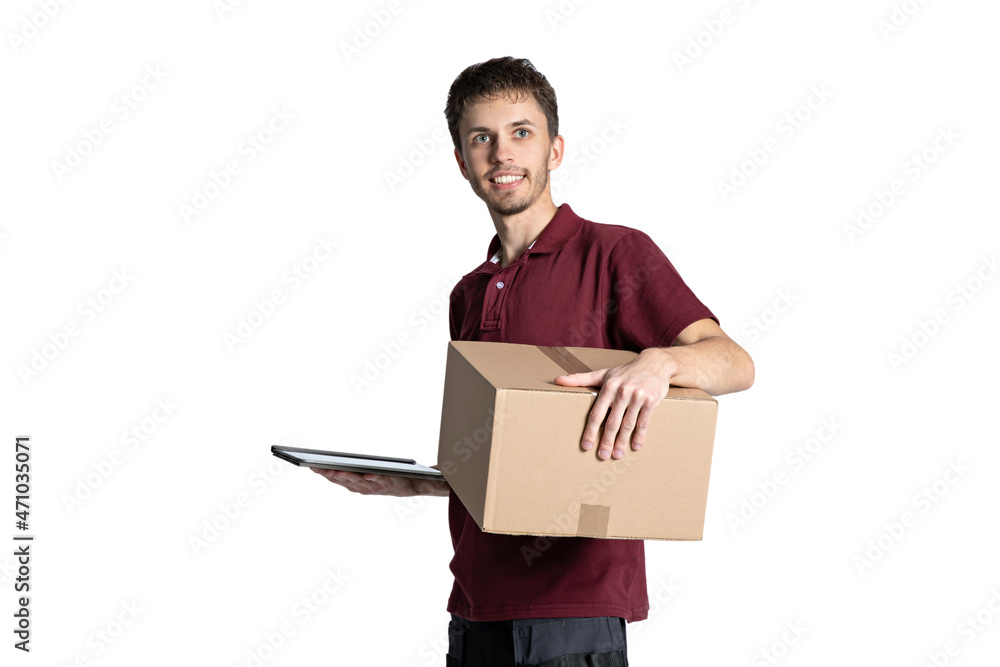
{"x":593,"y":520}
{"x":565,"y":359}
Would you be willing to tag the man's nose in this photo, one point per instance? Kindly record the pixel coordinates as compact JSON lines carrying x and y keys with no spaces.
{"x":502,"y":150}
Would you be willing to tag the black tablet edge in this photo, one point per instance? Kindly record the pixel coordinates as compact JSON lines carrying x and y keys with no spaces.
{"x":370,"y":457}
{"x":358,"y":469}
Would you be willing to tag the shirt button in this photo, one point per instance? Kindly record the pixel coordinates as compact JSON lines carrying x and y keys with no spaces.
{"x":500,"y":285}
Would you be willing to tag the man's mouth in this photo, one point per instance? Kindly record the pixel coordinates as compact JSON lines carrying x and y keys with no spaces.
{"x":505,"y":180}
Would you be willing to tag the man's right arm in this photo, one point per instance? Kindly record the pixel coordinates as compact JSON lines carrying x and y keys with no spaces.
{"x":384,"y":485}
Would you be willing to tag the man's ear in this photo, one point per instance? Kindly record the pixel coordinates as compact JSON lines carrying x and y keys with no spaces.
{"x":461,"y":164}
{"x":556,"y":152}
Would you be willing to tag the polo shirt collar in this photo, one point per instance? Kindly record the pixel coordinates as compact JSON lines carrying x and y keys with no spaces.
{"x":563,"y":226}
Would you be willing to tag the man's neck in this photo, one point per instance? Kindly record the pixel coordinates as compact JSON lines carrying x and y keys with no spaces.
{"x":517,"y":232}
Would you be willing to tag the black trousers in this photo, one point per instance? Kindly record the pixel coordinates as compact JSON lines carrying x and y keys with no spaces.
{"x":542,"y":642}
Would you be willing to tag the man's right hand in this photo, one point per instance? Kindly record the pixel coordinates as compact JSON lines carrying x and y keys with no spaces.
{"x":384,"y":485}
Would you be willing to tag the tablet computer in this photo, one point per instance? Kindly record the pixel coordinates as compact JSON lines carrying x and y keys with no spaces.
{"x":359,"y":463}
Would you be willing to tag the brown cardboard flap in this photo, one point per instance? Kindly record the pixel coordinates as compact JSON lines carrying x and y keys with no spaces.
{"x":517,"y":366}
{"x":593,"y":520}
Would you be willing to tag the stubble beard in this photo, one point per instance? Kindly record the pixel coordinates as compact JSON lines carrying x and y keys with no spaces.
{"x":507,"y":203}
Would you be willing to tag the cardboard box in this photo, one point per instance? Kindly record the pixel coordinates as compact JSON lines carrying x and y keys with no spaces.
{"x":510,"y":448}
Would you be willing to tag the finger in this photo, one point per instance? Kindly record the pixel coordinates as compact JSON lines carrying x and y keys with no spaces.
{"x":325,"y":472}
{"x":628,"y":429}
{"x":642,"y":423}
{"x":349,"y":480}
{"x":645,"y":417}
{"x":390,"y":485}
{"x":590,"y":379}
{"x":611,"y":427}
{"x":594,"y":420}
{"x":361,"y":484}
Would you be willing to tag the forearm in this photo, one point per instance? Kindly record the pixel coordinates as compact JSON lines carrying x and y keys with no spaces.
{"x":385,"y":485}
{"x":716,"y":365}
{"x":433,"y":488}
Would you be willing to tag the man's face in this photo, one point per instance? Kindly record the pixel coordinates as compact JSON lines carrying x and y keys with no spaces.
{"x":506,"y":153}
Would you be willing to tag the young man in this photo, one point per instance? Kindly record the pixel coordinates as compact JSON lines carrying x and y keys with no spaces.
{"x":552,"y":278}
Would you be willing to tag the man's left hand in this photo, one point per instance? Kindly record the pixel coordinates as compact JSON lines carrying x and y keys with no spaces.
{"x":630,"y":392}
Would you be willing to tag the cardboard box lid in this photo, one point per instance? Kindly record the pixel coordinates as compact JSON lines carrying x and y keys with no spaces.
{"x":534,"y":367}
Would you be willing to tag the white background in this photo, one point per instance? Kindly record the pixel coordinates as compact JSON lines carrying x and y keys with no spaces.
{"x":820,"y":309}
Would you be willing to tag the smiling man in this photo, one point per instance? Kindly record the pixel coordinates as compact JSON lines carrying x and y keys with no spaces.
{"x":552,"y":278}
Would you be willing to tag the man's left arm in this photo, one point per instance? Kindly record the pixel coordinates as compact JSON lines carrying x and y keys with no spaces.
{"x":702,"y":356}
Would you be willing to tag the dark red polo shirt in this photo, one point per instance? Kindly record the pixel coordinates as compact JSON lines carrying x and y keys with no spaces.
{"x":581,"y":284}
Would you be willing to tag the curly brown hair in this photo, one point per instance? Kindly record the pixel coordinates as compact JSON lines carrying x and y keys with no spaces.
{"x":515,"y":78}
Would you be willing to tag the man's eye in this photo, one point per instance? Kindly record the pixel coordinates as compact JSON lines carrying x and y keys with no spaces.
{"x":482,"y":137}
{"x":526,"y":132}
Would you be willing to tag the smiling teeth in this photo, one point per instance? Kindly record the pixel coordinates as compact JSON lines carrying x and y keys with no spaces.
{"x":507,"y":179}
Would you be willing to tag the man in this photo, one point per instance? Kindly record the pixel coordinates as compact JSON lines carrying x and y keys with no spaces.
{"x":552,"y":278}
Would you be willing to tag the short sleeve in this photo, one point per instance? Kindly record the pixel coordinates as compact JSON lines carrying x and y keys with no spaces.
{"x":453,"y":326}
{"x":652,"y":304}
